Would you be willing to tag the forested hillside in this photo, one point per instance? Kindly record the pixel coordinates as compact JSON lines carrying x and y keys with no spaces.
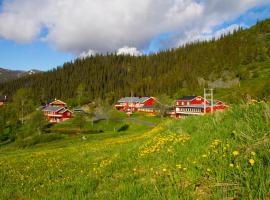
{"x":239,"y":61}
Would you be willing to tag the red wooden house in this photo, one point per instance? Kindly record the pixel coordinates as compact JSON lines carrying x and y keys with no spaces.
{"x":196,"y":105}
{"x":140,"y":104}
{"x":56,"y":111}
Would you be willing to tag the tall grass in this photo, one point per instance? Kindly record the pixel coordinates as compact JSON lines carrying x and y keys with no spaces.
{"x":196,"y":158}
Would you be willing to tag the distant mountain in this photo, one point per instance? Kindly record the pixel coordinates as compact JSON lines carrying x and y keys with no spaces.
{"x":6,"y":74}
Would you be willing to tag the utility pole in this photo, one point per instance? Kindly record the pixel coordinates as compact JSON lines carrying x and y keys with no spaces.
{"x":208,"y":93}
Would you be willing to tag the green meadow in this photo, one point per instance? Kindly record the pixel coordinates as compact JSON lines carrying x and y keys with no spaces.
{"x":221,"y":156}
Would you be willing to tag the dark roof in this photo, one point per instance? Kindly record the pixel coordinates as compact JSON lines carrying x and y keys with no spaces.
{"x":52,"y":108}
{"x":78,"y":110}
{"x":64,"y":110}
{"x":187,"y":98}
{"x":3,"y":98}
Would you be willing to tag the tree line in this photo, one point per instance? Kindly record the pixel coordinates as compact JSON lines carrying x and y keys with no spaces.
{"x":173,"y":72}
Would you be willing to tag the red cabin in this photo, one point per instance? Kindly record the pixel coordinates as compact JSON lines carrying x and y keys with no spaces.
{"x":56,"y":111}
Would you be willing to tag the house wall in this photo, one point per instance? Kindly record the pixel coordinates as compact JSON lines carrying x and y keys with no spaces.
{"x":196,"y":101}
{"x":149,"y":102}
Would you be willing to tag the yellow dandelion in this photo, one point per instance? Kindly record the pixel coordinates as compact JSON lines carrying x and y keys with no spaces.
{"x":164,"y":169}
{"x":184,"y":168}
{"x":209,"y":170}
{"x":231,"y":165}
{"x":253,"y":153}
{"x":251,"y":162}
{"x":204,"y":156}
{"x":235,"y":153}
{"x":179,"y":166}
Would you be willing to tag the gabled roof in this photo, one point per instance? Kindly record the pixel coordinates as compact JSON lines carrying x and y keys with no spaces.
{"x":64,"y":110}
{"x":52,"y":108}
{"x":129,"y":99}
{"x":133,"y":99}
{"x":143,"y":99}
{"x":187,"y":98}
{"x":56,"y":100}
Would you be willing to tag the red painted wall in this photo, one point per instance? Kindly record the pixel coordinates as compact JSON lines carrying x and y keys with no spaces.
{"x":192,"y":102}
{"x":149,"y":102}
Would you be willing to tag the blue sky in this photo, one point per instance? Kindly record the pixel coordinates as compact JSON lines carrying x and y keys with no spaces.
{"x":39,"y":47}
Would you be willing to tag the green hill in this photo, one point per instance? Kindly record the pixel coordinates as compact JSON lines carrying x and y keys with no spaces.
{"x":209,"y":157}
{"x":238,"y":65}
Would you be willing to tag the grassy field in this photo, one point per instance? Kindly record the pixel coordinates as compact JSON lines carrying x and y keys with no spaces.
{"x":220,"y":156}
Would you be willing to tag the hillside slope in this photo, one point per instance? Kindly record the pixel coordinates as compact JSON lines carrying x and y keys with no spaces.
{"x":6,"y":74}
{"x":211,"y":157}
{"x":227,"y":63}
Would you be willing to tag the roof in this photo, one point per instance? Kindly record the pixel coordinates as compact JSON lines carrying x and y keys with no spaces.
{"x":55,"y":100}
{"x":52,"y":108}
{"x":133,"y":99}
{"x":78,"y":110}
{"x":187,"y":98}
{"x":143,"y":99}
{"x":64,"y":110}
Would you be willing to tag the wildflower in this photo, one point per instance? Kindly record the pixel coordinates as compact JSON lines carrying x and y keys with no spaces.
{"x":209,"y":170}
{"x":179,"y":166}
{"x":251,"y":162}
{"x":253,"y":153}
{"x":235,"y":153}
{"x":204,"y":155}
{"x":231,"y":165}
{"x":184,"y":168}
{"x":164,"y":169}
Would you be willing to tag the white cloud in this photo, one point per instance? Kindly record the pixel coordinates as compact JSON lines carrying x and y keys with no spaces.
{"x":128,"y":51}
{"x":76,"y":26}
{"x":87,"y":54}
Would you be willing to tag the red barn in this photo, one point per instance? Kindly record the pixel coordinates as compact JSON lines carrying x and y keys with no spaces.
{"x":140,"y":104}
{"x":190,"y":100}
{"x":195,"y":105}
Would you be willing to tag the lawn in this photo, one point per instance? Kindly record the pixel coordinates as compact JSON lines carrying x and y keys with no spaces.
{"x":220,"y":156}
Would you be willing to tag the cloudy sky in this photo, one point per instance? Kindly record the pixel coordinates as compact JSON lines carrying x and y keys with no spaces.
{"x":43,"y":34}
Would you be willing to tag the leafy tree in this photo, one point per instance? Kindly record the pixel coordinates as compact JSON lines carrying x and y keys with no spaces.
{"x":23,"y":103}
{"x":114,"y":118}
{"x":79,"y":120}
{"x":37,"y":122}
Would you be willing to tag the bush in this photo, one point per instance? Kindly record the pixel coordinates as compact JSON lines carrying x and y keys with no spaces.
{"x":38,"y":139}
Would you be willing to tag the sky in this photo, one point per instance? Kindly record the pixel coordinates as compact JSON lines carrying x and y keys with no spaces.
{"x":43,"y":34}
